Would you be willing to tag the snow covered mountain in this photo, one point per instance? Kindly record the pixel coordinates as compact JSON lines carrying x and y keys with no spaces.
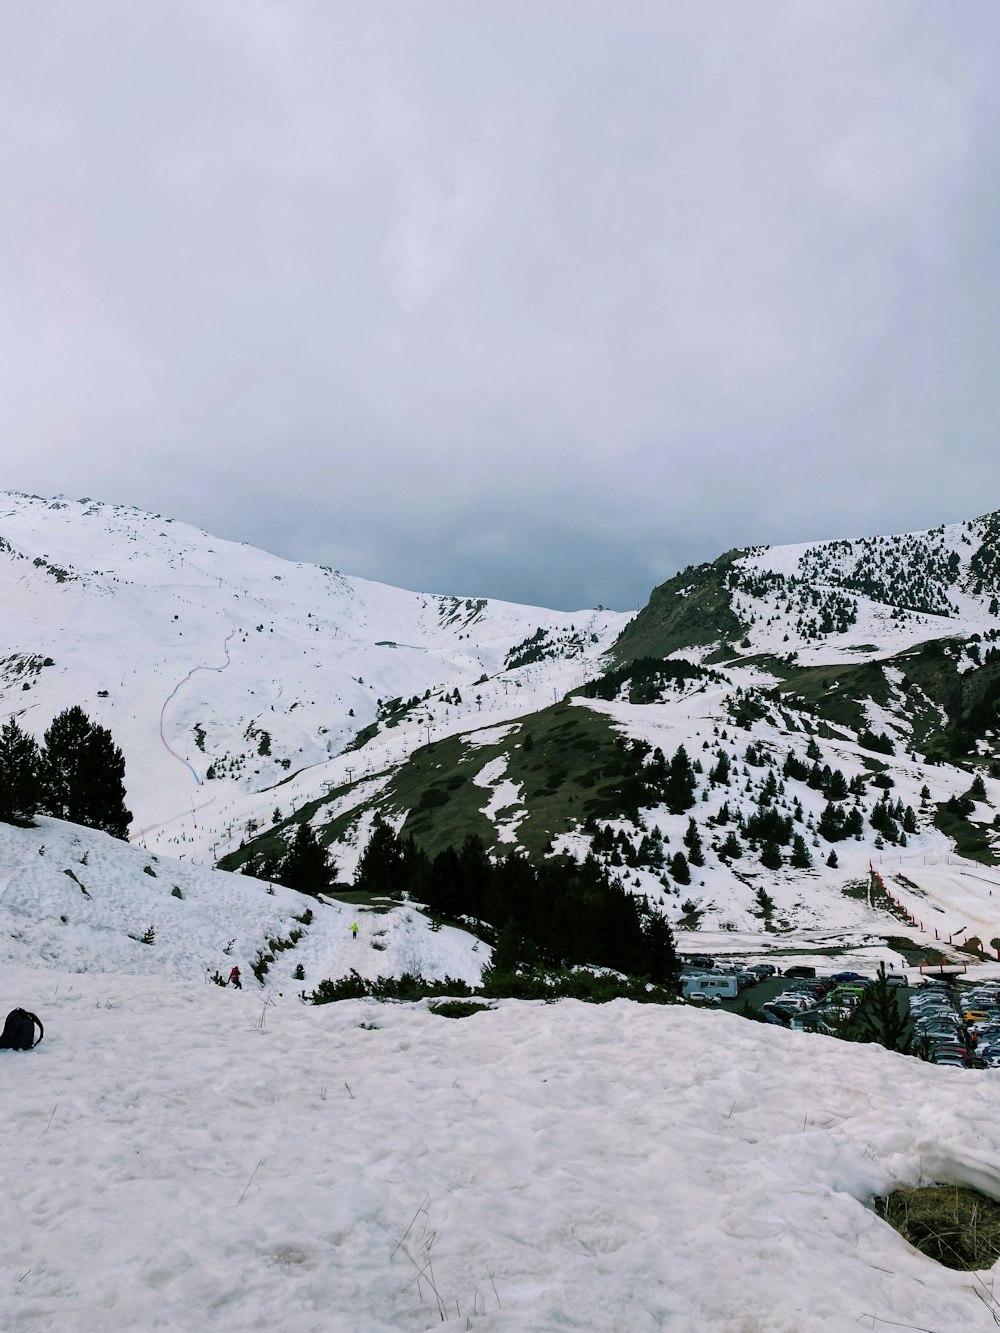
{"x":234,"y":681}
{"x":832,"y":601}
{"x":217,"y":1159}
{"x":839,"y":705}
{"x":850,"y":681}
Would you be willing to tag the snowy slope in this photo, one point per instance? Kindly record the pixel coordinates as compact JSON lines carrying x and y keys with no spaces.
{"x":206,"y":657}
{"x":843,"y":600}
{"x":223,"y":672}
{"x":183,"y":1157}
{"x":178,"y":1157}
{"x":81,"y":901}
{"x":954,"y":896}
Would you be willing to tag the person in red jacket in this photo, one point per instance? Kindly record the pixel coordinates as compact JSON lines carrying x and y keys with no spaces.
{"x":234,"y":979}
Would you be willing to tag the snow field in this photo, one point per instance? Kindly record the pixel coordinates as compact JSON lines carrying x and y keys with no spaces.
{"x":141,"y":637}
{"x":180,"y":1158}
{"x":220,"y":919}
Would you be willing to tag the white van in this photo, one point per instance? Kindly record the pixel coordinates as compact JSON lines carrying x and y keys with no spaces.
{"x":726,"y":988}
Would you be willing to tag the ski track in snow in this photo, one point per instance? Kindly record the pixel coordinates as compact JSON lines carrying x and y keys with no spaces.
{"x":173,"y":692}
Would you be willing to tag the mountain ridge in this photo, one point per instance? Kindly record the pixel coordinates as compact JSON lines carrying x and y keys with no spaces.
{"x":784,"y":674}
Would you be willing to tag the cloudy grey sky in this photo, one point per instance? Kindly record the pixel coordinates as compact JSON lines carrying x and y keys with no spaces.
{"x":537,"y":299}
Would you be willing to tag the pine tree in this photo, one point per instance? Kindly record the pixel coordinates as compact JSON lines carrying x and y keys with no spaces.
{"x":801,"y":859}
{"x":83,"y":774}
{"x":679,"y":868}
{"x":731,"y":848}
{"x":307,"y":866}
{"x":20,"y":788}
{"x":680,"y":783}
{"x":878,"y":1017}
{"x":770,"y":856}
{"x":380,"y":865}
{"x":664,"y":965}
{"x":692,"y":841}
{"x":832,"y":823}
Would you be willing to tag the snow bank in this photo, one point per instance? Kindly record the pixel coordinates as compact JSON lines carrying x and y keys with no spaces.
{"x":181,"y":1157}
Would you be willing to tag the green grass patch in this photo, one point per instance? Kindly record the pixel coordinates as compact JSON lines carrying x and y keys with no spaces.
{"x":693,"y":608}
{"x":435,"y":787}
{"x":837,"y":693}
{"x":569,"y":769}
{"x":971,"y":840}
{"x":913,"y":952}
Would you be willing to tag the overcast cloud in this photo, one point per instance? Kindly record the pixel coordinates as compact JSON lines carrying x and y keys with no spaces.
{"x":533,"y":299}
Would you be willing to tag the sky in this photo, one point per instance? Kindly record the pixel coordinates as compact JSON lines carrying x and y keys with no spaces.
{"x":540,"y":301}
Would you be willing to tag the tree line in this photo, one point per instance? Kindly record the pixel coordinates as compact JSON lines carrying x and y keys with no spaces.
{"x":560,"y":913}
{"x":77,"y":773}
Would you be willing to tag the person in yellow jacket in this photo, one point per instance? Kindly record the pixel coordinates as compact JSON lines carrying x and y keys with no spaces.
{"x":354,"y":931}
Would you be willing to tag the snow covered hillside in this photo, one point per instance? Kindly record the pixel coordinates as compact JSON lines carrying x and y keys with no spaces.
{"x":232,"y":680}
{"x":80,"y":901}
{"x":244,"y":689}
{"x":832,"y":601}
{"x":181,"y":1156}
{"x":178,"y":1157}
{"x":889,"y":592}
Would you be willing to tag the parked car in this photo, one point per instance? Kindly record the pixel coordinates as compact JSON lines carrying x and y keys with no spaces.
{"x":950,"y":1058}
{"x":800,"y":970}
{"x":807,"y":1021}
{"x":952,"y":1045}
{"x":794,"y":1002}
{"x":779,"y":1013}
{"x":812,"y":985}
{"x":765,"y":969}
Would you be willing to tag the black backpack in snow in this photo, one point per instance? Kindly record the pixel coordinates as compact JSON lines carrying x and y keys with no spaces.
{"x":19,"y":1031}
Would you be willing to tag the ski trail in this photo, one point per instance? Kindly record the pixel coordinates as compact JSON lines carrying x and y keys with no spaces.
{"x":183,"y":681}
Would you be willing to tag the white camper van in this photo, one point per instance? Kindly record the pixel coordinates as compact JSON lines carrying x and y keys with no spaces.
{"x":710,"y":984}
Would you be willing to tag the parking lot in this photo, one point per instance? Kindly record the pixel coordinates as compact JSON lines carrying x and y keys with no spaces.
{"x":953,"y":1022}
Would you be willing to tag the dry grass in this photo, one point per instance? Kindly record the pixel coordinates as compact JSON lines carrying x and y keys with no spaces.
{"x":957,"y":1226}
